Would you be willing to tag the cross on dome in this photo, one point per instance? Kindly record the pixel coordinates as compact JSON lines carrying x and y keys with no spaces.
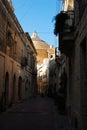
{"x":35,"y":35}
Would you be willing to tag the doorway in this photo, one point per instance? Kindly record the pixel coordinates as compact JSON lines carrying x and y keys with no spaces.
{"x":6,"y":94}
{"x":20,"y":88}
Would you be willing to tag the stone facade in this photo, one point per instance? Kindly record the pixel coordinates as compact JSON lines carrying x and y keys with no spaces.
{"x":17,"y":59}
{"x":53,"y":79}
{"x":45,"y":52}
{"x":81,"y":70}
{"x":76,"y":61}
{"x":43,"y":49}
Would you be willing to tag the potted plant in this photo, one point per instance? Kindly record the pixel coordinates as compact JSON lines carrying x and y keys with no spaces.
{"x":60,"y":22}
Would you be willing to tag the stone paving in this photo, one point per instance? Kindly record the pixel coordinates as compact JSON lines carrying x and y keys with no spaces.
{"x":38,"y":113}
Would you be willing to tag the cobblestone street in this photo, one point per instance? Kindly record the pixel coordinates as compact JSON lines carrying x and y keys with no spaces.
{"x":38,"y":113}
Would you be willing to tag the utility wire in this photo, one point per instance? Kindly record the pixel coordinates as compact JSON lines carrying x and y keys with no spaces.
{"x":23,"y":6}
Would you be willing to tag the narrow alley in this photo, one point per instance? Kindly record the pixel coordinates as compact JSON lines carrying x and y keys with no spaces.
{"x":39,"y":113}
{"x":43,"y":65}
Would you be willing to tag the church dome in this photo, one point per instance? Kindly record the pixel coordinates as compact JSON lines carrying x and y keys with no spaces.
{"x":38,"y":43}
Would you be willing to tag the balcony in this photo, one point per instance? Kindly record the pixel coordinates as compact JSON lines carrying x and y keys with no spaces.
{"x":65,"y":29}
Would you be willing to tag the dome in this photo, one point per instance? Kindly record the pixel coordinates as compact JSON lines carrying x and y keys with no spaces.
{"x":38,"y":43}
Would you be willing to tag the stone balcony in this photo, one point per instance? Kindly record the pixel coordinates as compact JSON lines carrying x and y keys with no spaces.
{"x":66,"y":36}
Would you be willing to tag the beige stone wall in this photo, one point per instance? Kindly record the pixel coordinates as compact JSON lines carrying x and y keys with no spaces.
{"x":13,"y":68}
{"x":41,"y":54}
{"x":16,"y":80}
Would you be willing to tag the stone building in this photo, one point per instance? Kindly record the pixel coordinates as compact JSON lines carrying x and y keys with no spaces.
{"x":43,"y":49}
{"x":61,"y":81}
{"x":42,"y":77}
{"x":53,"y":79}
{"x":45,"y":52}
{"x":73,"y":43}
{"x":80,"y":62}
{"x":17,"y":58}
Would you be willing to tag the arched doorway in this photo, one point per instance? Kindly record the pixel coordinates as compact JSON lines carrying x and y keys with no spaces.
{"x":14,"y":89}
{"x":6,"y":93}
{"x":26,"y":88}
{"x":20,"y":88}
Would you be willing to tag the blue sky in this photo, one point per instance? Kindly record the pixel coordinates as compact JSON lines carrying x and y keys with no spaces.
{"x":38,"y":15}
